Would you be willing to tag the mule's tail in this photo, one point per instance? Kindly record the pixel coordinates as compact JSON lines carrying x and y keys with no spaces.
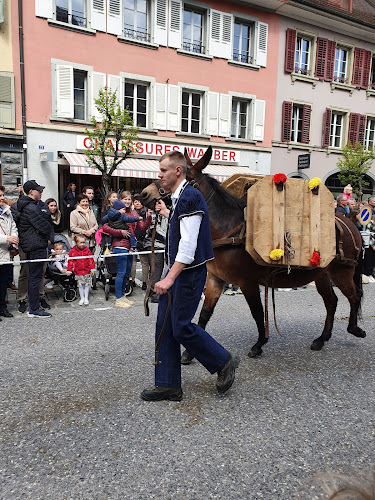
{"x":358,"y":283}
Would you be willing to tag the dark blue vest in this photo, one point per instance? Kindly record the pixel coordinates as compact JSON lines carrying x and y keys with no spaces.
{"x":190,"y":202}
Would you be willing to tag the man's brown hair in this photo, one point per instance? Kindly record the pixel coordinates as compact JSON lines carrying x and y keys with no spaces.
{"x":176,"y":159}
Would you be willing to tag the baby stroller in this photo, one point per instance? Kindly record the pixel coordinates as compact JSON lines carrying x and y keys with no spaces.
{"x":67,"y":283}
{"x":107,"y":269}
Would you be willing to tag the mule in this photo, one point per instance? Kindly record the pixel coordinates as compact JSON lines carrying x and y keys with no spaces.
{"x":233,"y":264}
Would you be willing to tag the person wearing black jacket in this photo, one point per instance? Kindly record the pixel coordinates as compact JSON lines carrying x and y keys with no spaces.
{"x":35,"y":233}
{"x":69,"y":201}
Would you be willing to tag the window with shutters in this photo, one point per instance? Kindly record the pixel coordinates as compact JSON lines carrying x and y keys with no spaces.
{"x":136,"y":101}
{"x":300,"y":54}
{"x":243,"y":42}
{"x":191,"y":112}
{"x":136,"y":20}
{"x":337,"y":129}
{"x":296,"y":122}
{"x":72,"y":12}
{"x":370,"y":133}
{"x":341,"y":65}
{"x":193,"y":30}
{"x":80,"y":94}
{"x":7,"y":104}
{"x":240,"y":118}
{"x":296,"y":132}
{"x":372,"y":73}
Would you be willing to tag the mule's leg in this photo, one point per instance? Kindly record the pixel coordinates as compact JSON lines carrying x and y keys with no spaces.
{"x":214,"y":288}
{"x":351,"y":287}
{"x":252,"y":296}
{"x":325,"y":289}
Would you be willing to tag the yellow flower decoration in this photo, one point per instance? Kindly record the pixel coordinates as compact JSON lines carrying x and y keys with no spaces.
{"x":313,"y":183}
{"x":276,"y":254}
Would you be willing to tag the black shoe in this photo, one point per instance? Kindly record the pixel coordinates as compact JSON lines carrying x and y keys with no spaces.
{"x":144,"y":286}
{"x":6,"y":314}
{"x":22,"y":306}
{"x":225,"y":376}
{"x":44,"y":304}
{"x":186,"y":358}
{"x":160,"y":393}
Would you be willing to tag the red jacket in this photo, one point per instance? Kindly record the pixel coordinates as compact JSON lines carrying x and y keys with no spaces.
{"x":80,"y":267}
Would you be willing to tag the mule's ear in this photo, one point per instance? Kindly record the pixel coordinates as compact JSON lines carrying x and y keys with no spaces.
{"x":205,"y":160}
{"x":187,"y":158}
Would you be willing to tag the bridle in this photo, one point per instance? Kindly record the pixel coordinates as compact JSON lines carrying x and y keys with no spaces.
{"x":195,"y":183}
{"x":163,"y":195}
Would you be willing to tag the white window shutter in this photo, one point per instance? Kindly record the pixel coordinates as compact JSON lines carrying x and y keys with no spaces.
{"x":64,"y":91}
{"x":226,"y":35}
{"x":213,"y":113}
{"x":160,"y":22}
{"x":262,"y":39}
{"x":98,"y":81}
{"x":98,"y":15}
{"x":174,"y":107}
{"x":259,"y":112}
{"x":215,"y":48}
{"x":175,"y":24}
{"x":7,"y":104}
{"x":116,"y":83}
{"x":114,"y":17}
{"x":160,"y":114}
{"x":224,"y":115}
{"x":44,"y":8}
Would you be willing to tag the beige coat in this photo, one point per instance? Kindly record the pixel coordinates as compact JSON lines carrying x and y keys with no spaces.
{"x":78,"y":224}
{"x":9,"y":227}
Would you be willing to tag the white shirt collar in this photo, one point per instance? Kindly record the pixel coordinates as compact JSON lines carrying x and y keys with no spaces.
{"x":177,"y":193}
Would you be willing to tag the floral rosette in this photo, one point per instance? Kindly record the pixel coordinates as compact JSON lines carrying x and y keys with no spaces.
{"x":315,"y":259}
{"x":276,"y":254}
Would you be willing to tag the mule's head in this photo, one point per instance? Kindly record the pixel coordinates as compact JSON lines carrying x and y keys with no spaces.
{"x":194,"y":172}
{"x":152,"y":193}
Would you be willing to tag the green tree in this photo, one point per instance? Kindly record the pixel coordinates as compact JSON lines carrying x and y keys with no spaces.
{"x":353,"y":165}
{"x":113,"y":140}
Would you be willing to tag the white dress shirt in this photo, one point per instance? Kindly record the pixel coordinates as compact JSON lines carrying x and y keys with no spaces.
{"x":189,"y":230}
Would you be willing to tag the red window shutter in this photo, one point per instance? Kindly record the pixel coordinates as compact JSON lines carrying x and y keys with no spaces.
{"x":353,"y":128}
{"x":362,"y":129}
{"x":326,"y":127}
{"x":306,"y":115}
{"x":366,"y":69}
{"x":321,"y":51}
{"x":330,"y":61}
{"x":286,"y":125}
{"x":290,"y":49}
{"x":357,"y":67}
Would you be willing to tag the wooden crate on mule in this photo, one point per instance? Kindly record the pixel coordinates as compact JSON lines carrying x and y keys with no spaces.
{"x":295,"y":214}
{"x":238,"y":184}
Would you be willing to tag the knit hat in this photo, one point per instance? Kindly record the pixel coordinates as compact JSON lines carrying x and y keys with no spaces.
{"x":118,"y":205}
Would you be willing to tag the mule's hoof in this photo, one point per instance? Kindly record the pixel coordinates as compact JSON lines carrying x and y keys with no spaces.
{"x":255,"y":352}
{"x":317,"y":345}
{"x":186,"y":358}
{"x":358,"y":332}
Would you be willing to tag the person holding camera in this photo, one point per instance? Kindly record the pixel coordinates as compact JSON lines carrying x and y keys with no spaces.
{"x":8,"y":248}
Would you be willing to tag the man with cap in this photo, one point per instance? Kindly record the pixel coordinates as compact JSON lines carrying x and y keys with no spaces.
{"x":35,"y":233}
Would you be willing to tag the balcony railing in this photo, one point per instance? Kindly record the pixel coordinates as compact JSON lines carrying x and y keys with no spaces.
{"x":74,"y":19}
{"x":197,"y":48}
{"x":243,"y":57}
{"x":302,"y":71}
{"x":340,"y":79}
{"x":143,"y":36}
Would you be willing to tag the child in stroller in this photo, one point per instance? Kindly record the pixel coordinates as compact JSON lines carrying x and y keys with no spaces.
{"x":57,"y":269}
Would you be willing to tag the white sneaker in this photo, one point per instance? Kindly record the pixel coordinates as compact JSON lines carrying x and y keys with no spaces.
{"x":365,"y":279}
{"x":86,"y":302}
{"x":49,"y":285}
{"x":80,"y":303}
{"x":371,"y":279}
{"x":284,"y":289}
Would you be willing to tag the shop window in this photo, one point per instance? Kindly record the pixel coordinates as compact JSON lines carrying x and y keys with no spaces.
{"x":136,"y":20}
{"x":135,"y":100}
{"x":193,"y":30}
{"x":191,"y":112}
{"x":333,"y":183}
{"x":72,"y":12}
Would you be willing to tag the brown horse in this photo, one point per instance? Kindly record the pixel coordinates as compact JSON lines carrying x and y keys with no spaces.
{"x":233,"y":264}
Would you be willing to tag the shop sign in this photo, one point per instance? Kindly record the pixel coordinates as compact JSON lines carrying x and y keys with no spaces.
{"x":146,"y":148}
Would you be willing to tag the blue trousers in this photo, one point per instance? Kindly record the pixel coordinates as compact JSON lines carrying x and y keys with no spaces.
{"x":124,"y":267}
{"x":185,"y":296}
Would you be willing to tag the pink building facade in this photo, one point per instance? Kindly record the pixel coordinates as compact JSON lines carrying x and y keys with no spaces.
{"x":192,"y":74}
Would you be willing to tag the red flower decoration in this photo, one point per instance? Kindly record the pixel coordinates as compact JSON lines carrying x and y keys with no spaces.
{"x":315,"y":259}
{"x":277,"y":178}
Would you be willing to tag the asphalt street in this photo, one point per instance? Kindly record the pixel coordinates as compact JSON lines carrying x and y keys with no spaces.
{"x":72,"y":424}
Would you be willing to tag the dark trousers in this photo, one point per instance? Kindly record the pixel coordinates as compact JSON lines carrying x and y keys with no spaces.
{"x":368,"y":262}
{"x":35,"y":277}
{"x":185,"y":296}
{"x":6,"y":271}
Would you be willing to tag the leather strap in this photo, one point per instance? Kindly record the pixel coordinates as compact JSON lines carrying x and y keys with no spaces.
{"x":228,"y":239}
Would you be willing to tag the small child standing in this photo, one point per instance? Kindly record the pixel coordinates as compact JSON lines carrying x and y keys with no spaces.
{"x":82,"y":268}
